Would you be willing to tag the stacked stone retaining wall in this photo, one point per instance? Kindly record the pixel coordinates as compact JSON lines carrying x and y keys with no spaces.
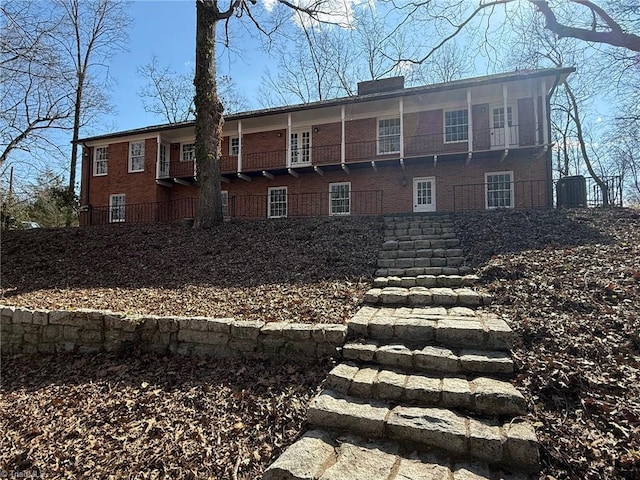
{"x":86,"y":331}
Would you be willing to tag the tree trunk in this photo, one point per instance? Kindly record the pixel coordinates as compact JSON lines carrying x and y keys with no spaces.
{"x":209,"y":120}
{"x":74,"y":146}
{"x":604,"y":188}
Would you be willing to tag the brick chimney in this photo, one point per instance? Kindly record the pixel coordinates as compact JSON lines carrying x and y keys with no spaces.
{"x":382,"y":85}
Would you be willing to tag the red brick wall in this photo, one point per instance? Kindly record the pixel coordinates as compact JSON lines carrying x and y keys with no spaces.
{"x":396,"y":184}
{"x":264,"y":150}
{"x":326,"y":143}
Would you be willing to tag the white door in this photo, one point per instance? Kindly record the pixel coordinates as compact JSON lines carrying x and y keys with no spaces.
{"x":300,"y":147}
{"x":164,"y":161}
{"x":500,"y":125}
{"x":424,"y":194}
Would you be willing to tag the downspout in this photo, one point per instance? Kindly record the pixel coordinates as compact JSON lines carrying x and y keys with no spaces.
{"x":87,"y":207}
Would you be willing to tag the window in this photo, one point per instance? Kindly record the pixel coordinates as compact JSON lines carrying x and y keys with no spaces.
{"x":187,"y":152}
{"x":136,"y":157}
{"x":301,"y":147}
{"x":456,"y":126}
{"x":277,"y":202}
{"x":100,"y":157}
{"x":234,"y":146}
{"x":116,"y":208}
{"x":340,"y":198}
{"x":224,"y":194}
{"x":388,"y":135}
{"x":499,"y":187}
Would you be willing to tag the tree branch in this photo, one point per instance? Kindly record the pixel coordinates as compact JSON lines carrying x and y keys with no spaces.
{"x":615,"y":37}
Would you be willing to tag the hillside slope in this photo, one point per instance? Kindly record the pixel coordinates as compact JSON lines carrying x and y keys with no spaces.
{"x":305,"y":270}
{"x":569,"y":283}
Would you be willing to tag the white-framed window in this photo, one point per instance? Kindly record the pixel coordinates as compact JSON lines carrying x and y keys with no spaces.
{"x":499,"y":190}
{"x":388,"y":135}
{"x":234,"y":146}
{"x":224,"y":194}
{"x":300,"y":147}
{"x":136,"y":156}
{"x":277,"y":202}
{"x":340,"y":198}
{"x":456,"y":125}
{"x":187,"y":152}
{"x":117,"y":208}
{"x":100,"y":160}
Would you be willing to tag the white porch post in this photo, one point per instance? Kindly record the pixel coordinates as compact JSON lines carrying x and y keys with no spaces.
{"x":507,"y":129}
{"x":401,"y":108}
{"x":545,"y":126}
{"x":239,"y":145}
{"x":536,"y":119}
{"x":470,"y":124}
{"x":288,"y":140}
{"x":342,"y":137}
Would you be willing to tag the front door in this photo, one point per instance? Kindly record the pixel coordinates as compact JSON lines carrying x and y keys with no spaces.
{"x":424,"y":194}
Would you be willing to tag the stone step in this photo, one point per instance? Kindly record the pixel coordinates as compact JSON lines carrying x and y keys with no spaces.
{"x":416,"y":222}
{"x":510,"y":444}
{"x":456,"y":327}
{"x":482,"y":395}
{"x":422,"y":253}
{"x":420,"y":244}
{"x":322,"y":455}
{"x":426,"y":281}
{"x":430,"y":358}
{"x":437,"y":231}
{"x":464,"y":297}
{"x":415,"y":271}
{"x":450,"y":239}
{"x":420,"y":262}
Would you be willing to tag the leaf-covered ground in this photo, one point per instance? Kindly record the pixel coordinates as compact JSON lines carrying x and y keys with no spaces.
{"x":311,"y":270}
{"x":148,"y":416}
{"x":569,"y":283}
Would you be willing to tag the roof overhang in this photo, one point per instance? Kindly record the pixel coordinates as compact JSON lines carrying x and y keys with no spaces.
{"x":552,"y":77}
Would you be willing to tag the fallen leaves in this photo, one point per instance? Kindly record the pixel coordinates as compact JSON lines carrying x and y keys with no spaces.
{"x":566,"y":282}
{"x":311,"y":270}
{"x":152,"y":416}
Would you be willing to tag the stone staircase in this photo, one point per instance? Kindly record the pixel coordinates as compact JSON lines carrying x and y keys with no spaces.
{"x":423,"y":390}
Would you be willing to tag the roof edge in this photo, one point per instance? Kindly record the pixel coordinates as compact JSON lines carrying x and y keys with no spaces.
{"x":436,"y":87}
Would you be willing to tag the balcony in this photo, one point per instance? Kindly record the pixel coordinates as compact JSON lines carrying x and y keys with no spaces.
{"x":484,"y":139}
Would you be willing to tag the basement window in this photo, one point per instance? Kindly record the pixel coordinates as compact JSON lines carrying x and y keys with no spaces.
{"x":117,"y":208}
{"x":499,"y":190}
{"x":277,"y":202}
{"x":340,"y":198}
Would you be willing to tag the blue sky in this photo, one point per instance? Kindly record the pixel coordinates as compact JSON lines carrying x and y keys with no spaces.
{"x":166,"y":28}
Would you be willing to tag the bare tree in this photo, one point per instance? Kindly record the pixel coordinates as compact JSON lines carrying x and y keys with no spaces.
{"x":34,"y":102}
{"x":209,"y":109}
{"x":167,"y":93}
{"x":170,"y":95}
{"x":91,"y":33}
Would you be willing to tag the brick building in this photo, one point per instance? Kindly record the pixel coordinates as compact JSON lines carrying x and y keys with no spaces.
{"x":468,"y":144}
